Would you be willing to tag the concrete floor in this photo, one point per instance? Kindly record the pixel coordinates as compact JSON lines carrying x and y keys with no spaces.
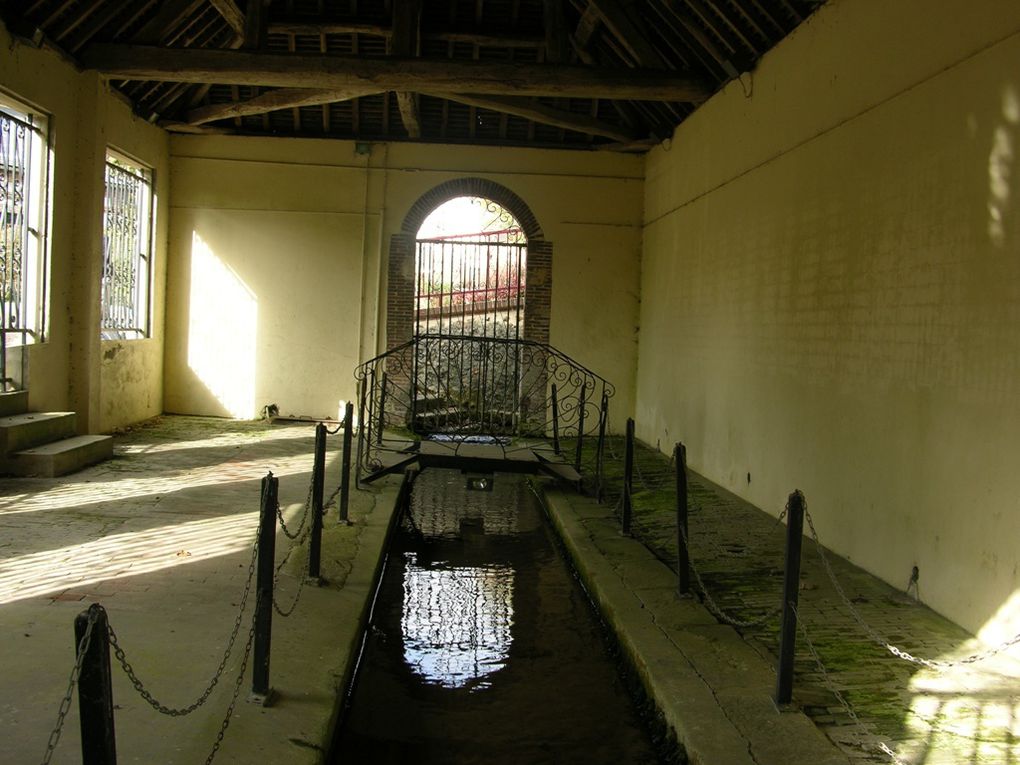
{"x":162,"y":534}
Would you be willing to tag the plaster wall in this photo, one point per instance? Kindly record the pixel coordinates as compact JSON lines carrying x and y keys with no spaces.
{"x":108,"y":384}
{"x":304,"y":225}
{"x":831,"y":293}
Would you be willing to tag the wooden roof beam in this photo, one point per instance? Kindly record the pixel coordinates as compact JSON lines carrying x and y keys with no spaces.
{"x":483,"y":39}
{"x":135,"y":62}
{"x":547,"y":115}
{"x":406,"y":41}
{"x":283,"y":98}
{"x":167,"y":18}
{"x":231,"y":13}
{"x":630,"y":35}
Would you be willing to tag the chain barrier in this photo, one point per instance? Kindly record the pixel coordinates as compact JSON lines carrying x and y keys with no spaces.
{"x":714,"y":607}
{"x":304,"y":516}
{"x":285,"y":612}
{"x":935,"y":664}
{"x":65,"y":703}
{"x":329,"y":502}
{"x":139,"y":686}
{"x":225,"y":723}
{"x":334,"y":431}
{"x":831,"y":686}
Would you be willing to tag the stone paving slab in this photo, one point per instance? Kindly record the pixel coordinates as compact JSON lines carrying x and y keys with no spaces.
{"x":964,"y":714}
{"x":708,"y":684}
{"x":161,"y":535}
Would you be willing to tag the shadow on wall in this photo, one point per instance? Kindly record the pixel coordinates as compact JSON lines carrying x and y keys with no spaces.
{"x":222,"y":331}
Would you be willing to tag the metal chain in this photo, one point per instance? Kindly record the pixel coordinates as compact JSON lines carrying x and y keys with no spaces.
{"x":237,"y":684}
{"x":831,"y":686}
{"x":139,"y":686}
{"x":297,"y":596}
{"x":304,"y":516}
{"x":329,"y":502}
{"x":65,"y":703}
{"x":335,"y":430}
{"x":713,"y":606}
{"x":879,"y":639}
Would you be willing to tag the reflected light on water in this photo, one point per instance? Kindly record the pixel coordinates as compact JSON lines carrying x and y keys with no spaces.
{"x":127,"y":554}
{"x":456,"y":622}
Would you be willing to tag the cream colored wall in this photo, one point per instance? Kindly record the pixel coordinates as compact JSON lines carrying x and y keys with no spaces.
{"x":249,"y":197}
{"x":831,"y":292}
{"x":108,"y":384}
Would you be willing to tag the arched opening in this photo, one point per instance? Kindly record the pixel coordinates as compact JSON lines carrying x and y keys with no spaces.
{"x":470,"y":271}
{"x":469,"y":314}
{"x":401,"y":312}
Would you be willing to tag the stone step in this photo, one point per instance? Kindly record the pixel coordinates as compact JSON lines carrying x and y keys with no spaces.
{"x":13,"y":402}
{"x":24,"y":431}
{"x":60,"y":457}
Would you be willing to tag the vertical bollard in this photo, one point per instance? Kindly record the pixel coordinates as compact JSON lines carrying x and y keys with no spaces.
{"x":791,"y":591}
{"x":628,"y":475}
{"x":95,"y":690}
{"x":382,"y":410}
{"x":260,"y":690}
{"x":345,"y":463}
{"x":318,"y":482}
{"x":600,"y":449}
{"x":555,"y":420}
{"x":580,"y":425}
{"x":361,"y":428}
{"x":683,"y":560}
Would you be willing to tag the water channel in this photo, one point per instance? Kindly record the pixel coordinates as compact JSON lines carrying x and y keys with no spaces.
{"x":483,"y":647}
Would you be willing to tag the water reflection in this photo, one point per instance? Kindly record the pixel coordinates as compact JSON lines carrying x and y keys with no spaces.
{"x":456,"y":622}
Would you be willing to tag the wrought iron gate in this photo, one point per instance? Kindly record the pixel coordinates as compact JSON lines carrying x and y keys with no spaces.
{"x":471,"y":288}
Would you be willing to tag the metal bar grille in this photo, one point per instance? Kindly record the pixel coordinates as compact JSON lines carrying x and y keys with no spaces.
{"x":469,"y":289}
{"x":15,"y":220}
{"x":125,"y":286}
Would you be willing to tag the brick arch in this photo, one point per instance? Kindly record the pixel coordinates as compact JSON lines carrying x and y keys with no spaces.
{"x":472,"y":187}
{"x":401,"y":271}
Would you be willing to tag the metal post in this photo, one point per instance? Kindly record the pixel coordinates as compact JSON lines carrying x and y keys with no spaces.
{"x":382,"y":409}
{"x":683,"y":559}
{"x":580,"y":425}
{"x":361,"y":427}
{"x":95,"y":690}
{"x":260,"y":690}
{"x":318,"y":483}
{"x":345,"y":463}
{"x":600,"y":449}
{"x":555,"y":420}
{"x":628,"y":475}
{"x":370,"y":414}
{"x":791,"y":591}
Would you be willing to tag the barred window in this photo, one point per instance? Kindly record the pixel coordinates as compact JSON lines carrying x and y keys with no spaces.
{"x":23,"y":218}
{"x":127,"y":262}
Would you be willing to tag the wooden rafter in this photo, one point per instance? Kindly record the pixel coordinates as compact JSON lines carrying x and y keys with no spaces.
{"x":231,"y":13}
{"x":547,"y":115}
{"x":169,"y":16}
{"x":283,"y":98}
{"x":626,"y":30}
{"x":135,"y":62}
{"x":406,"y":41}
{"x":484,"y":39}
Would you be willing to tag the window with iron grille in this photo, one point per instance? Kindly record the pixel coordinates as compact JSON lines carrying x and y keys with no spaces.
{"x":127,"y":248}
{"x":23,"y":219}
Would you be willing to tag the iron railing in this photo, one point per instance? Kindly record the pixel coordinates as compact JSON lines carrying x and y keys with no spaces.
{"x":455,"y":388}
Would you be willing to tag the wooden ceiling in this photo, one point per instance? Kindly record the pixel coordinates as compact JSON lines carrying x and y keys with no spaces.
{"x":582,"y":74}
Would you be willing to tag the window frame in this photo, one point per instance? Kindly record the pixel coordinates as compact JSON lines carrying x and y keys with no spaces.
{"x":144,"y":247}
{"x":35,"y":252}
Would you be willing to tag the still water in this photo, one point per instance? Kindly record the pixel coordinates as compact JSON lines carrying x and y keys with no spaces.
{"x":483,"y":647}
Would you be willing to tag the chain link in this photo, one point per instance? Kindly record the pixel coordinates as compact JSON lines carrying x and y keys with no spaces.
{"x":935,"y":664}
{"x":65,"y":703}
{"x":237,"y":684}
{"x":831,"y":686}
{"x":139,"y":686}
{"x":304,"y":516}
{"x":713,"y":606}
